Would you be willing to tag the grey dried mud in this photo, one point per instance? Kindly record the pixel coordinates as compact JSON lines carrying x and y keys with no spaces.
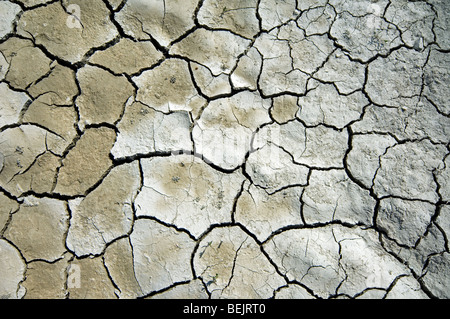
{"x":224,"y":149}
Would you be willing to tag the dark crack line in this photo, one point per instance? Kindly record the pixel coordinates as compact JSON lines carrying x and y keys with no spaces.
{"x":110,"y":277}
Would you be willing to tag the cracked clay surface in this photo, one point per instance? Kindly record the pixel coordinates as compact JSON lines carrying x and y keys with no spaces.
{"x":224,"y":149}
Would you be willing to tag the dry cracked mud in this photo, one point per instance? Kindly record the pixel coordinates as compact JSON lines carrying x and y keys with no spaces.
{"x":224,"y":149}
